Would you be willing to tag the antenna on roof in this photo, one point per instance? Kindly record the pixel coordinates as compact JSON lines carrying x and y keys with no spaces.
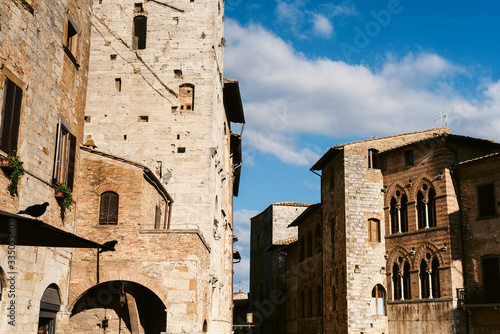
{"x":443,"y":117}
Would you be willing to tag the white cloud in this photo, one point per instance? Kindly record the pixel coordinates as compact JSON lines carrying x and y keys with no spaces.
{"x":287,"y":95}
{"x":322,"y":26}
{"x":267,"y":140}
{"x":302,"y":20}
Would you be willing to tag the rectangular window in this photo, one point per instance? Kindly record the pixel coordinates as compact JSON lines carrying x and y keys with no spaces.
{"x":11,"y":116}
{"x":71,"y":39}
{"x":64,"y":164}
{"x":140,"y":29}
{"x":486,"y":202}
{"x":409,"y":158}
{"x":373,"y":230}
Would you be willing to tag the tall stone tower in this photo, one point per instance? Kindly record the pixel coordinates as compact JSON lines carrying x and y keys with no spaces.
{"x":157,"y":97}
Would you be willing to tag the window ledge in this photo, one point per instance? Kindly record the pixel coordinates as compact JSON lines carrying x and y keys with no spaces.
{"x":420,"y":301}
{"x":488,"y":217}
{"x":71,"y":57}
{"x":421,"y":231}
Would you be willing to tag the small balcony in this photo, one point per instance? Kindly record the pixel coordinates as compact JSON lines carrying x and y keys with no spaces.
{"x":476,"y":297}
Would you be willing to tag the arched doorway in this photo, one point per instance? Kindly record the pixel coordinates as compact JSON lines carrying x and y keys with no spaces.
{"x":118,"y":307}
{"x":50,"y":304}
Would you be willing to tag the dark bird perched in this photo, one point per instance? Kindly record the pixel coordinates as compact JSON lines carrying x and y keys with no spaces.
{"x":110,"y":244}
{"x":35,"y":210}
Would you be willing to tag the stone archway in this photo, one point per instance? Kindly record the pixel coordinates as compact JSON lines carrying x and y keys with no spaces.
{"x":118,"y":307}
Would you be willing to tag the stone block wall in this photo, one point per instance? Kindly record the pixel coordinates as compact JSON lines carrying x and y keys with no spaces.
{"x":170,"y":263}
{"x":32,"y":55}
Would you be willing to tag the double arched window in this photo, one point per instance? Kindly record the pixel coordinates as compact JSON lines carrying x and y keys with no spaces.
{"x":426,"y":207}
{"x":429,"y":277}
{"x":425,"y":202}
{"x":401,"y":280}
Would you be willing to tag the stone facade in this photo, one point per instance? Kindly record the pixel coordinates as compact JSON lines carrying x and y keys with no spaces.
{"x":157,"y":96}
{"x":269,"y":231}
{"x":480,"y":224}
{"x":408,"y":234}
{"x":160,"y":113}
{"x":52,"y":82}
{"x":376,"y":195}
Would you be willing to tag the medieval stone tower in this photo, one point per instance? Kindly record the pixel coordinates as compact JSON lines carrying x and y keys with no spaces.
{"x":159,"y":106}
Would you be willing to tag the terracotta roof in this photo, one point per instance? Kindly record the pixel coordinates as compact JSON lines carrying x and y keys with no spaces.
{"x":442,"y":135}
{"x":286,"y":241}
{"x":492,"y":156}
{"x":291,"y":204}
{"x":334,"y":150}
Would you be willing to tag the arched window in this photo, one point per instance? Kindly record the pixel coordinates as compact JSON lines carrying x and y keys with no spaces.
{"x":421,"y":210}
{"x":186,"y":97}
{"x":404,"y":213}
{"x":108,"y":212}
{"x":49,"y":306}
{"x":205,"y":326}
{"x":140,"y":30}
{"x":318,"y":239}
{"x":302,"y":304}
{"x":378,"y":300}
{"x":432,"y":208}
{"x":396,"y":282}
{"x":309,"y":303}
{"x":424,"y":280}
{"x":309,"y":244}
{"x":394,"y":216}
{"x":319,"y":300}
{"x":302,"y":249}
{"x":406,"y":281}
{"x":436,"y":290}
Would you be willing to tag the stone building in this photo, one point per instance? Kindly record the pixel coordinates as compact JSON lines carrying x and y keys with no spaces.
{"x":408,"y":231}
{"x":478,"y":182}
{"x":269,"y":231}
{"x":44,"y":57}
{"x":162,"y":116}
{"x":304,"y":287}
{"x":157,"y":97}
{"x":396,"y":251}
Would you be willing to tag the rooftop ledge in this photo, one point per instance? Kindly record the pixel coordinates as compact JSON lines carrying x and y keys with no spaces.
{"x":178,"y":231}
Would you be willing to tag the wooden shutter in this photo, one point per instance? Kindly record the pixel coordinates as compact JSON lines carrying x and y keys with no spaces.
{"x":56,"y":155}
{"x":11,"y":116}
{"x":158,"y":217}
{"x":108,"y":213}
{"x":373,"y":226}
{"x":70,"y":173}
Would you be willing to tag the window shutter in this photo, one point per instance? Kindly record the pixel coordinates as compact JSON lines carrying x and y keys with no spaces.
{"x":158,"y":217}
{"x":56,"y":156}
{"x":108,"y":213}
{"x":71,"y":163}
{"x":11,"y":116}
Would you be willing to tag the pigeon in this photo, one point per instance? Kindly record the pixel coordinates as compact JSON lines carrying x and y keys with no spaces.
{"x":35,"y":210}
{"x":110,"y":244}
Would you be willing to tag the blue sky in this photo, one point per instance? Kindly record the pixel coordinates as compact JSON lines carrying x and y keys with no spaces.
{"x":318,"y":73}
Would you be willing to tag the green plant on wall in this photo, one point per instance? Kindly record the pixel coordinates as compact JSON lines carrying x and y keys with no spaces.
{"x":67,"y":196}
{"x":15,"y":173}
{"x":216,"y":223}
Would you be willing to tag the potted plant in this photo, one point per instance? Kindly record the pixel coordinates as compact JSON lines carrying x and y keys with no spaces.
{"x":14,"y":171}
{"x":64,"y":195}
